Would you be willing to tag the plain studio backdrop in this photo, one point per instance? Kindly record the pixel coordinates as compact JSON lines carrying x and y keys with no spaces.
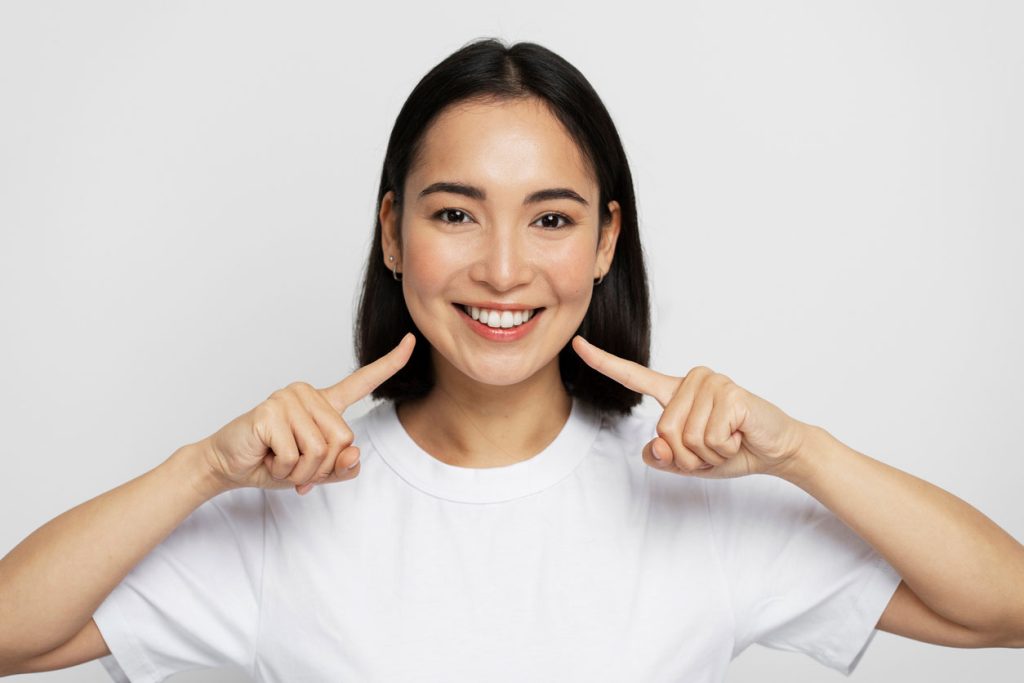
{"x":829,"y":195}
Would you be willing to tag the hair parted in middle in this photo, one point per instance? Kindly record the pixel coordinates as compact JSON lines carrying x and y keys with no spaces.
{"x":618,"y":318}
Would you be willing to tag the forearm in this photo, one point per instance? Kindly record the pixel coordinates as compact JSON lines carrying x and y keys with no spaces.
{"x":52,"y":582}
{"x":958,"y":561}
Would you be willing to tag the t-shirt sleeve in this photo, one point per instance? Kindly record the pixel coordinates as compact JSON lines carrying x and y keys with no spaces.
{"x":800,"y":579}
{"x":193,"y":601}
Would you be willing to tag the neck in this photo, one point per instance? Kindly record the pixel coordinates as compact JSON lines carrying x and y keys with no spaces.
{"x":465,"y":423}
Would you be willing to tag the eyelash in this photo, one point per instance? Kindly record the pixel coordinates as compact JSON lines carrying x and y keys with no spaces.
{"x":442,"y":212}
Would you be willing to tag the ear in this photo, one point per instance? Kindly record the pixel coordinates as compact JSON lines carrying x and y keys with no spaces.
{"x":607,"y":239}
{"x":390,"y":237}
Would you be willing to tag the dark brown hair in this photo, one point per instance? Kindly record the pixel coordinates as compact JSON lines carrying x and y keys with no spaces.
{"x":618,"y":319}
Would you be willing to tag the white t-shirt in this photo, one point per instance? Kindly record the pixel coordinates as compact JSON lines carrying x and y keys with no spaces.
{"x":581,"y":563}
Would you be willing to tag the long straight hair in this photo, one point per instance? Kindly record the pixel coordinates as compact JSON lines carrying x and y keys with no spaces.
{"x":618,"y":318}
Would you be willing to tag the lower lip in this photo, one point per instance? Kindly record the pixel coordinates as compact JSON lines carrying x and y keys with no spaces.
{"x":499,"y":333}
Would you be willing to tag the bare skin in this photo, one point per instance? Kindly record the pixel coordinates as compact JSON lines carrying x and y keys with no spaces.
{"x":53,"y":581}
{"x":496,"y":402}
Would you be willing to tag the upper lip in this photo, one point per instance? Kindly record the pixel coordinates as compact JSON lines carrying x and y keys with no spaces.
{"x":496,"y":306}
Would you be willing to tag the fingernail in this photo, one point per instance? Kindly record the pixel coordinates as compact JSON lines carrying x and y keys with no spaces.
{"x":654,"y":451}
{"x":353,"y":465}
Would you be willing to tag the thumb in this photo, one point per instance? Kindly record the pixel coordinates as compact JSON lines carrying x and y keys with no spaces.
{"x":343,"y":471}
{"x":346,"y":466}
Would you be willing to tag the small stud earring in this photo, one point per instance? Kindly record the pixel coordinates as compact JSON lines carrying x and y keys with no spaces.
{"x":394,"y":274}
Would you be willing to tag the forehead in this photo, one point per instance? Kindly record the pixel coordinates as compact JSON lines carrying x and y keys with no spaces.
{"x":510,"y":145}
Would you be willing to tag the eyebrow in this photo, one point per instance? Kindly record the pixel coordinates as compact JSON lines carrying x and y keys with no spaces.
{"x":477,"y":193}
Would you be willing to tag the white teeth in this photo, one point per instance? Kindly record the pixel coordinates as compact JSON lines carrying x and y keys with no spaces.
{"x":503,"y":319}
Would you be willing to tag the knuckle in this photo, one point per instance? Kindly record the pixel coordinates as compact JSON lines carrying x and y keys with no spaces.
{"x":343,"y":435}
{"x":261,"y":413}
{"x":287,"y":458}
{"x":736,"y":393}
{"x":699,"y":371}
{"x":671,"y":436}
{"x":668,"y":430}
{"x":692,"y":439}
{"x":314,"y":441}
{"x":282,"y":397}
{"x":284,"y":465}
{"x":686,"y":460}
{"x":317,"y":450}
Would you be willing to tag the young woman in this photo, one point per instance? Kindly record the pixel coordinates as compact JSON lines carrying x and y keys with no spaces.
{"x":495,"y":522}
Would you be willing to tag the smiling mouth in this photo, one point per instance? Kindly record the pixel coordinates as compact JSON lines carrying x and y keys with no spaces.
{"x":498,"y":319}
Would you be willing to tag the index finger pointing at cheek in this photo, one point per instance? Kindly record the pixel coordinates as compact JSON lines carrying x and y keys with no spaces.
{"x":367,"y":378}
{"x":629,"y":374}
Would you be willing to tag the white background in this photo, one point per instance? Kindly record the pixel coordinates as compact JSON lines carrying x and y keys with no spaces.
{"x":830,"y":198}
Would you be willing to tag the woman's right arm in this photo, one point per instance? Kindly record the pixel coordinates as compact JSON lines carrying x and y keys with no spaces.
{"x":53,"y":581}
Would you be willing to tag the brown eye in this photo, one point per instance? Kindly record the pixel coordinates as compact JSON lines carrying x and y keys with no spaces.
{"x":444,"y":214}
{"x":555,"y":216}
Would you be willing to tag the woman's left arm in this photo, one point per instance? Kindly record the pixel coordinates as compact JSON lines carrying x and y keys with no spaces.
{"x":960,"y":563}
{"x":962,"y":575}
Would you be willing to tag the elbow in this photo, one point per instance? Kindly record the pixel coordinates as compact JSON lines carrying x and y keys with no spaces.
{"x":1009,"y":638}
{"x":1017,"y":641}
{"x":8,"y":668}
{"x":1016,"y":637}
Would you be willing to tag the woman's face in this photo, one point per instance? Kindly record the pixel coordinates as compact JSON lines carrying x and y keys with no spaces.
{"x":493,"y":245}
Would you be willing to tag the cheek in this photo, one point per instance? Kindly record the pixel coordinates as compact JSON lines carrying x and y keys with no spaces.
{"x":429,"y":264}
{"x":570,"y":267}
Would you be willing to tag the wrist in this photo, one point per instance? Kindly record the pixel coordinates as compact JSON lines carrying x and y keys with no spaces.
{"x":193,"y":464}
{"x":802,"y":465}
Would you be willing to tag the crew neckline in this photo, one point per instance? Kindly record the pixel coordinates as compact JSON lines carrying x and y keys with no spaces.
{"x":488,"y":484}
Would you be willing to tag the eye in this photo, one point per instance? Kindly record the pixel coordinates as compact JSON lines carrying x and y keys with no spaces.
{"x":446,"y":213}
{"x":443,"y":213}
{"x":568,"y":221}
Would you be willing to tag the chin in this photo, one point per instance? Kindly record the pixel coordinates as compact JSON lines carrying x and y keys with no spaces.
{"x":499,"y":377}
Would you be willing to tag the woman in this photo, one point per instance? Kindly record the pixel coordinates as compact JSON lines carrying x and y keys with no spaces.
{"x":495,"y":523}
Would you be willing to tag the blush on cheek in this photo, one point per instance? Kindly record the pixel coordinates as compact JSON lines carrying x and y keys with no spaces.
{"x":432,"y":261}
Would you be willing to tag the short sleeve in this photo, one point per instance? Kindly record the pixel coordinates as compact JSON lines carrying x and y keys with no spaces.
{"x":193,"y":601}
{"x":799,"y":578}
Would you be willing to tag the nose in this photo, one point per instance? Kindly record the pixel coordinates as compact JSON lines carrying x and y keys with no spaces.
{"x":504,"y":262}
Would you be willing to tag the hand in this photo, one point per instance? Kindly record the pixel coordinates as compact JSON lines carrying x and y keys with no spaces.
{"x":711,"y":427}
{"x":297,"y":436}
